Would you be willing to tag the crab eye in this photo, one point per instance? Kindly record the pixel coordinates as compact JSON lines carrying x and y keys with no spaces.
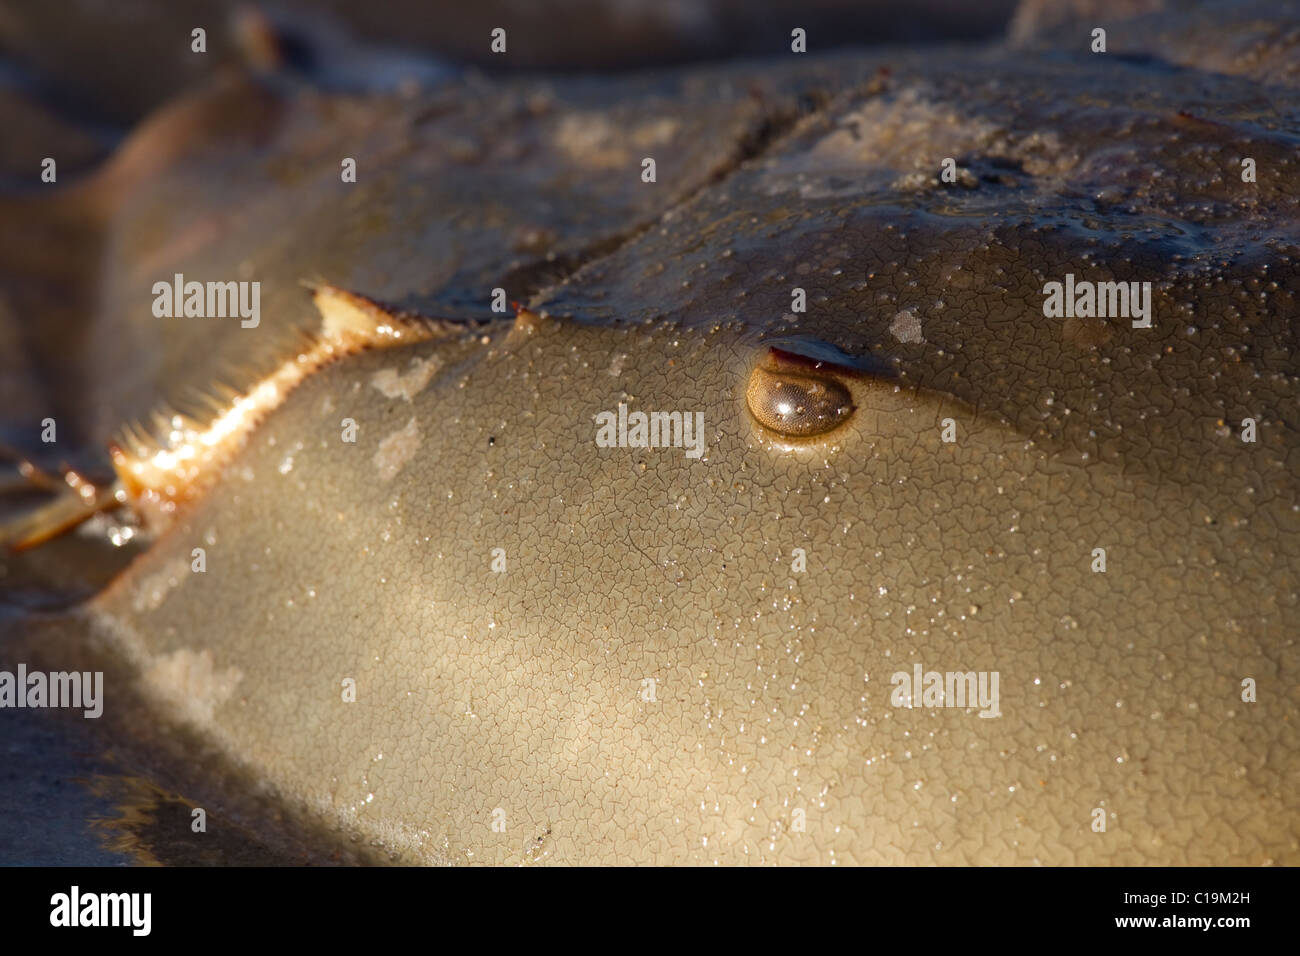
{"x":797,"y":404}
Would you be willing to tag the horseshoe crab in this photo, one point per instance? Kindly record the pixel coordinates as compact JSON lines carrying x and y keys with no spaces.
{"x":434,"y":612}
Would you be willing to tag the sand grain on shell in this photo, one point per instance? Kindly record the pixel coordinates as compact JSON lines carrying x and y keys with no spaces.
{"x":398,"y":385}
{"x":154,"y":589}
{"x":191,"y":683}
{"x":396,"y":450}
{"x":906,"y":327}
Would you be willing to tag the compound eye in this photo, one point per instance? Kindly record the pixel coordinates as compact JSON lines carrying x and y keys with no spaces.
{"x":797,"y":403}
